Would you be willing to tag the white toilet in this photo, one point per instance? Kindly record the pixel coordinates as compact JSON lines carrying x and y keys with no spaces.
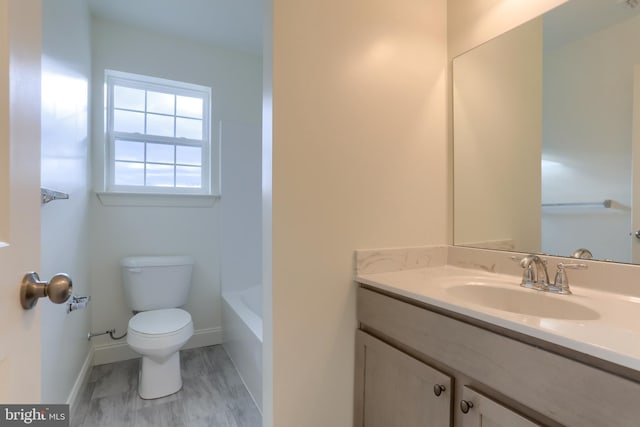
{"x":154,"y":288}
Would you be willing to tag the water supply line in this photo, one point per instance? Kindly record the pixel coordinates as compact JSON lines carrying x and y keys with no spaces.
{"x":111,"y":333}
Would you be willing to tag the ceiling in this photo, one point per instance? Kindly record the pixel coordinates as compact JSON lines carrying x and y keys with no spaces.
{"x":235,"y":24}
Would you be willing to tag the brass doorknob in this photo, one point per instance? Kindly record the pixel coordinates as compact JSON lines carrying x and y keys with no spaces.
{"x":58,"y":289}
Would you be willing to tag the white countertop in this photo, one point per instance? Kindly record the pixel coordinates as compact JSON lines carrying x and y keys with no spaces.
{"x":613,"y":336}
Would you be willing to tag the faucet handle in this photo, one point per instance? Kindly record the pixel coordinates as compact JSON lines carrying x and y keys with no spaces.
{"x":574,"y":266}
{"x":561,"y":282}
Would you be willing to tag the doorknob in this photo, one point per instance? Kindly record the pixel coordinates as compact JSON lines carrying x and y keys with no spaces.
{"x":58,"y":289}
{"x":637,"y":234}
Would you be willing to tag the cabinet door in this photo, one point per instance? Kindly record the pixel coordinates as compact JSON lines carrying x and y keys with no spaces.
{"x":395,"y":390}
{"x":484,"y":412}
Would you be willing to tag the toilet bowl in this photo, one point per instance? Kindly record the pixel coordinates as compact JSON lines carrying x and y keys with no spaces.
{"x":154,"y":288}
{"x":158,"y":335}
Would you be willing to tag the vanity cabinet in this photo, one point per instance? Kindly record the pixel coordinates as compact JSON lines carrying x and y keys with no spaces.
{"x":405,"y":347}
{"x":396,"y":390}
{"x":481,"y":411}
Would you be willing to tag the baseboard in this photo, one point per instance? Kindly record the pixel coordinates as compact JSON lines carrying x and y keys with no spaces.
{"x":118,"y":351}
{"x":205,"y":337}
{"x":112,"y":352}
{"x":81,"y":380}
{"x":253,"y":398}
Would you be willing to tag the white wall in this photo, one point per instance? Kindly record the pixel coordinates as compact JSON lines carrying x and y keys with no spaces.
{"x":359,"y":161}
{"x":588,"y":104}
{"x":241,"y":253}
{"x":66,"y":69}
{"x":497,"y":107}
{"x":235,"y":79}
{"x":240,"y":206}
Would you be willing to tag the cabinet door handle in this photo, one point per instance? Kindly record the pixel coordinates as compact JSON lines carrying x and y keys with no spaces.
{"x":438,"y":389}
{"x":465,"y":406}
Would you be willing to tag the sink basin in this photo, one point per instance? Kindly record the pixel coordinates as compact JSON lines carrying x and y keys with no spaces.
{"x":523,"y":301}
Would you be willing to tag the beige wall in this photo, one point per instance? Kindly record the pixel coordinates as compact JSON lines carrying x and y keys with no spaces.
{"x":359,"y":161}
{"x":472,"y":22}
{"x":497,"y":117}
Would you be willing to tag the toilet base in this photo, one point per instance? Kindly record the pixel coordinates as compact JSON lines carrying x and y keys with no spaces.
{"x":157,"y":380}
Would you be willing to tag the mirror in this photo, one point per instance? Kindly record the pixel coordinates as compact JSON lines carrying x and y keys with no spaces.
{"x":546,"y":132}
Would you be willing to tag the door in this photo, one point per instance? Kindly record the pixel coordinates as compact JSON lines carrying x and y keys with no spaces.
{"x":395,"y":390}
{"x":480,"y":411}
{"x":635,"y":183}
{"x":20,"y":54}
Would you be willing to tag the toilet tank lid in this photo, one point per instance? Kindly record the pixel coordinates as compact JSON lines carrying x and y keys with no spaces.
{"x":155,"y":261}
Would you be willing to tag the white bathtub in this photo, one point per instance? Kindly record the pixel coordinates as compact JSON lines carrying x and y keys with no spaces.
{"x":242,"y":323}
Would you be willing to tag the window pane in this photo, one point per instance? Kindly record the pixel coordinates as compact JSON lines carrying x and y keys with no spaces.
{"x":129,"y":150}
{"x":127,"y":173}
{"x":160,"y":153}
{"x":157,"y":134}
{"x":188,"y":128}
{"x":128,"y":121}
{"x":159,"y":125}
{"x":127,"y":98}
{"x":189,"y":155}
{"x":188,"y":176}
{"x":189,"y":107}
{"x":158,"y":102}
{"x":159,"y":175}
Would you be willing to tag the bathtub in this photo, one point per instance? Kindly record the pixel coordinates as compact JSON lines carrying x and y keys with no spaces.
{"x":242,"y":323}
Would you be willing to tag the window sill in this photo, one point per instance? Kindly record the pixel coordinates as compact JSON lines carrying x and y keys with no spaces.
{"x":164,"y":200}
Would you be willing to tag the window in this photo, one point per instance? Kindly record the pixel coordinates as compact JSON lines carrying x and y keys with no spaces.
{"x":158,"y":135}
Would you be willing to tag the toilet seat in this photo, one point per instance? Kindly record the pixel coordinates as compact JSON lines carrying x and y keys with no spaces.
{"x":163,"y":330}
{"x":164,"y":322}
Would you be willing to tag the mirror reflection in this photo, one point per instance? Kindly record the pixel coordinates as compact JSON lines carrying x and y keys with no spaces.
{"x":546,"y":128}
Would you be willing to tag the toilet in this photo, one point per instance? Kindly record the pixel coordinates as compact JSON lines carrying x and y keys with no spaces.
{"x":155,"y":286}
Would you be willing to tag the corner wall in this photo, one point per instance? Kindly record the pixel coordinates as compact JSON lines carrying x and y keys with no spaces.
{"x":66,"y":75}
{"x":235,"y":79}
{"x":470,"y":23}
{"x":359,"y":161}
{"x":240,"y":206}
{"x":497,"y":118}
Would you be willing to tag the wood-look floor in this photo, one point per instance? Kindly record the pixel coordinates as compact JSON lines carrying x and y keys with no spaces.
{"x":212,"y":395}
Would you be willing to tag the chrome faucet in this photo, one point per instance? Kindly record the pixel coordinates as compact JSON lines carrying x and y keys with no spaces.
{"x":582,"y":253}
{"x":535,"y":275}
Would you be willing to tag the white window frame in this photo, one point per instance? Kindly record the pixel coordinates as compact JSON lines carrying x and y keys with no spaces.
{"x":136,"y":81}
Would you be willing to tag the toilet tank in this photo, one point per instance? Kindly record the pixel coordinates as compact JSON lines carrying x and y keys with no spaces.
{"x":155,"y":282}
